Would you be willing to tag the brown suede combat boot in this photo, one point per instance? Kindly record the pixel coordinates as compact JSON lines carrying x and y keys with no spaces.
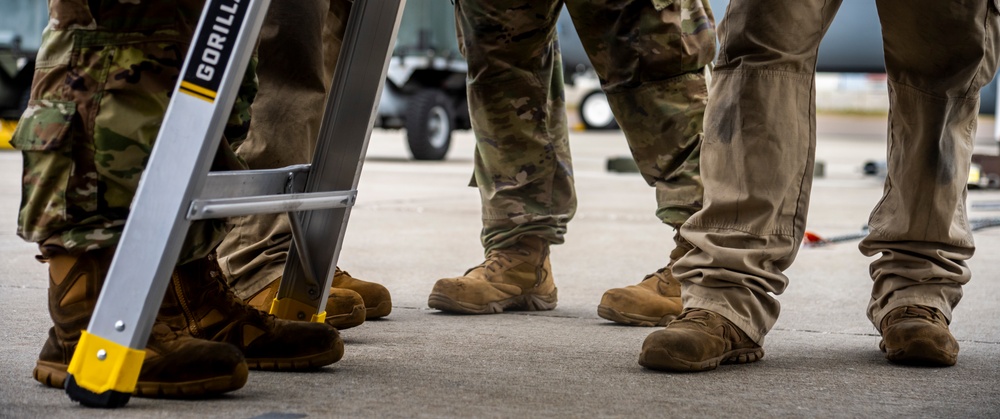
{"x":918,"y":335}
{"x":378,"y":302}
{"x":200,"y":303}
{"x":653,"y":302}
{"x":344,"y":308}
{"x":175,"y":366}
{"x":514,"y":278}
{"x":698,"y":340}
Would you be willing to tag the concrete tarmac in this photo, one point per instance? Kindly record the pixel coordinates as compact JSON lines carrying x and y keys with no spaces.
{"x":416,"y":222}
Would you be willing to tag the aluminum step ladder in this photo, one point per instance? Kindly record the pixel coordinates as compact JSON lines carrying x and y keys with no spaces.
{"x":177,"y":187}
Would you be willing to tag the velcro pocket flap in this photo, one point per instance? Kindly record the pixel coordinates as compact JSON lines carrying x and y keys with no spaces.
{"x":659,"y":5}
{"x":43,"y":125}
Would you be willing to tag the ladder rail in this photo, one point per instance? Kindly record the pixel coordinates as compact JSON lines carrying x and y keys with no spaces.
{"x":351,"y":108}
{"x":158,"y":223}
{"x":106,"y":363}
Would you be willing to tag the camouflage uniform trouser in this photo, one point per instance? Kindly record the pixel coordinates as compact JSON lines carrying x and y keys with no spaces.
{"x":651,"y":57}
{"x":98,"y":97}
{"x":298,"y":50}
{"x":759,"y":150}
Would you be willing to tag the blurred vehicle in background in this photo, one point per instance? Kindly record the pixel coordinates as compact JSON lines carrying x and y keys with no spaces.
{"x":16,"y":68}
{"x":425,"y":83}
{"x":21,"y":23}
{"x":592,"y":106}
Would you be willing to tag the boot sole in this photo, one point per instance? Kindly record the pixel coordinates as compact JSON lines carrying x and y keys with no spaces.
{"x":381,"y":310}
{"x":528,"y":302}
{"x":346,"y":321}
{"x":194,"y":389}
{"x":304,"y":363}
{"x":631,"y":319}
{"x":659,"y":359}
{"x":54,"y":375}
{"x":51,"y":374}
{"x":919,"y":353}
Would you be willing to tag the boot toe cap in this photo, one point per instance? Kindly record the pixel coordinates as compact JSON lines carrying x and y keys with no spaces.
{"x":634,"y":301}
{"x":920,"y":343}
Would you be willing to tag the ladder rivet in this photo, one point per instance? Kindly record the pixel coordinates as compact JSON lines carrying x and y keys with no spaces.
{"x":119,"y":325}
{"x":301,"y":316}
{"x":102,"y":354}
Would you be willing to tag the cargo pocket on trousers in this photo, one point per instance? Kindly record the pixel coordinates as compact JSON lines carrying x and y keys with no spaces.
{"x":44,"y":125}
{"x":42,"y":136}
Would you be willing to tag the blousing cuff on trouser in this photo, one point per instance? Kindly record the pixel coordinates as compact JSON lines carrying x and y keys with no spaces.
{"x":523,"y":166}
{"x":202,"y":238}
{"x":497,"y":237}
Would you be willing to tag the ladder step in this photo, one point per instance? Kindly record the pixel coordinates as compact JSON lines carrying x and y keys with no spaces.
{"x":241,"y":183}
{"x":202,"y":209}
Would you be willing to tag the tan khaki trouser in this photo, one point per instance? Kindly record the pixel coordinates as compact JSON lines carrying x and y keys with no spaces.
{"x":298,"y":50}
{"x":758,"y":155}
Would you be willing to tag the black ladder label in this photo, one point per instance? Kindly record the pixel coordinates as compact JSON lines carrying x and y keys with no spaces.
{"x":213,"y":48}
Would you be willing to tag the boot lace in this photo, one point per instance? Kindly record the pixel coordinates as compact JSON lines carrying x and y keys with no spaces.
{"x":916,"y":312}
{"x":714,"y":323}
{"x":219,"y":286}
{"x":497,"y":259}
{"x":660,"y":273}
{"x":696,"y":316}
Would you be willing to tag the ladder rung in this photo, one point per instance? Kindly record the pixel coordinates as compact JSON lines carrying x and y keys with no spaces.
{"x":243,"y":183}
{"x":202,"y":209}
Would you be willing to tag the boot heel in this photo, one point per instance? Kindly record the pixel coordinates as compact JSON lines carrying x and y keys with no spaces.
{"x":541,"y":302}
